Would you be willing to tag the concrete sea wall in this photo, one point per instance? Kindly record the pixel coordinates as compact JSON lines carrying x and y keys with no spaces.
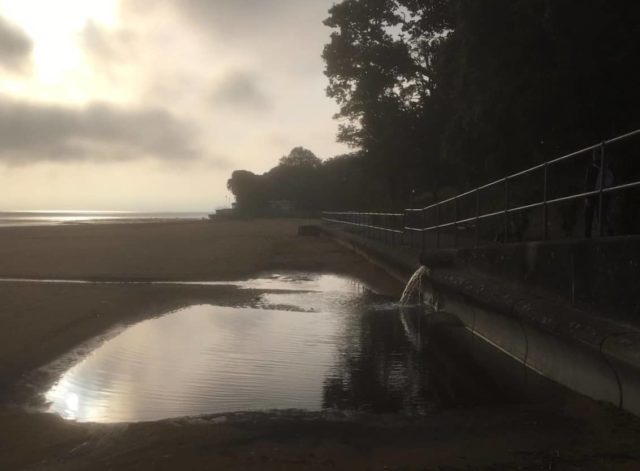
{"x":603,"y":274}
{"x":567,"y":311}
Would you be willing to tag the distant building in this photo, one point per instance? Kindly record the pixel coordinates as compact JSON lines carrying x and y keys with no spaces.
{"x":280,"y":207}
{"x":222,"y":213}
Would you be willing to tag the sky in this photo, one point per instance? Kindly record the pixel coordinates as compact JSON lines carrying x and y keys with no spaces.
{"x":150,"y":105}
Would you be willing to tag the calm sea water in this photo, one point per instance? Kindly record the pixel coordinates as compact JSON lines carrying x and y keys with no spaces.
{"x":44,"y":218}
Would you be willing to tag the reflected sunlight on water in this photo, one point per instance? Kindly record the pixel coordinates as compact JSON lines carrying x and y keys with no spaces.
{"x":311,"y":342}
{"x":47,"y":218}
{"x":202,"y":359}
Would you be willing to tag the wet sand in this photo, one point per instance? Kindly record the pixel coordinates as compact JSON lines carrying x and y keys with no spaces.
{"x":41,"y":322}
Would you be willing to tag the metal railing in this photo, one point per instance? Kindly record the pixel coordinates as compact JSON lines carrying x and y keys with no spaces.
{"x":453,"y":217}
{"x":388,"y":227}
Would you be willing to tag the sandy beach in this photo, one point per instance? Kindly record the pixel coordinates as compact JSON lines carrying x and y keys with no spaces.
{"x":45,"y":320}
{"x":40,"y":322}
{"x":178,"y":250}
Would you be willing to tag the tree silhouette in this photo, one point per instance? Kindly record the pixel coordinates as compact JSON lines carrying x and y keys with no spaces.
{"x":437,"y":96}
{"x":458,"y":92}
{"x":299,"y":157}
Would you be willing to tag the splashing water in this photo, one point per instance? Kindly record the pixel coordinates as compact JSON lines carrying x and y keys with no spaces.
{"x":413,"y":286}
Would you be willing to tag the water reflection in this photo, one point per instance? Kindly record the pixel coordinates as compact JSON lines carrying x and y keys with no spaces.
{"x":338,"y":346}
{"x":322,"y":283}
{"x":200,"y":360}
{"x":277,"y":281}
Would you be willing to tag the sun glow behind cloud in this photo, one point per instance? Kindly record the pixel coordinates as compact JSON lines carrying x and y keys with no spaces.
{"x":113,"y":102}
{"x":59,"y":69}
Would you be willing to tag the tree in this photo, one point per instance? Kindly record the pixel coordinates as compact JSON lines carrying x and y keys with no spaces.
{"x":295,"y":178}
{"x":458,"y":92}
{"x":248,"y":189}
{"x":300,"y":157}
{"x":380,"y":84}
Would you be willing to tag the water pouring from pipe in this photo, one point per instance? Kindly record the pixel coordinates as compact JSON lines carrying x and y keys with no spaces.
{"x":414,"y":287}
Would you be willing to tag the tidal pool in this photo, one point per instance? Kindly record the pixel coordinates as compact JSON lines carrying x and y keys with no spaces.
{"x":309,"y":341}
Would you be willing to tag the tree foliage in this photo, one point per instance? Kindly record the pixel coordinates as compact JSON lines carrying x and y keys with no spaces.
{"x":450,"y":94}
{"x":247,"y":187}
{"x":303,"y":179}
{"x":461,"y":91}
{"x":300,"y":158}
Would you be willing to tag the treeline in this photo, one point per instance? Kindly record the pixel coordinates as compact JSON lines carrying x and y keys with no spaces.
{"x":437,"y":96}
{"x":304,"y":180}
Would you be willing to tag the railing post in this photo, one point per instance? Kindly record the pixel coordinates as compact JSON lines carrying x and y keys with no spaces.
{"x":438,"y":226}
{"x":372,"y":222}
{"x":367,"y":229}
{"x":392,"y":235}
{"x":386,"y":225}
{"x":404,"y":224}
{"x":424,"y":225}
{"x":506,"y":209}
{"x":477,"y":216}
{"x":545,"y":196}
{"x":387,"y":233}
{"x":600,"y":192}
{"x":455,"y":223}
{"x":363,"y":224}
{"x":405,"y":237}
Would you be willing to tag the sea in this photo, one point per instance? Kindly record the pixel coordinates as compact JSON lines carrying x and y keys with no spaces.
{"x":47,"y":218}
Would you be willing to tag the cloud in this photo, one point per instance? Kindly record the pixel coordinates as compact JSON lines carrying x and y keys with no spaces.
{"x":32,"y":132}
{"x":240,"y":90}
{"x":182,"y":90}
{"x":15,"y":47}
{"x":104,"y":45}
{"x":278,"y":34}
{"x":228,"y":16}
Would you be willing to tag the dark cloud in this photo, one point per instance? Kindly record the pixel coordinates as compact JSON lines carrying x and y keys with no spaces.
{"x":15,"y":47}
{"x":240,"y":90}
{"x":34,"y":131}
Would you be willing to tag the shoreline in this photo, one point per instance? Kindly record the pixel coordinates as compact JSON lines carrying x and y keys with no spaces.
{"x":98,"y":221}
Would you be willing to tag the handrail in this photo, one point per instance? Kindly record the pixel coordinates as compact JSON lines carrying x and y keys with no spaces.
{"x":380,"y":228}
{"x":340,"y":217}
{"x":362,"y":214}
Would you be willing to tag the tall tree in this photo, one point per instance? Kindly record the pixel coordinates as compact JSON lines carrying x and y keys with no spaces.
{"x":375,"y":81}
{"x":248,"y":189}
{"x":456,"y":92}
